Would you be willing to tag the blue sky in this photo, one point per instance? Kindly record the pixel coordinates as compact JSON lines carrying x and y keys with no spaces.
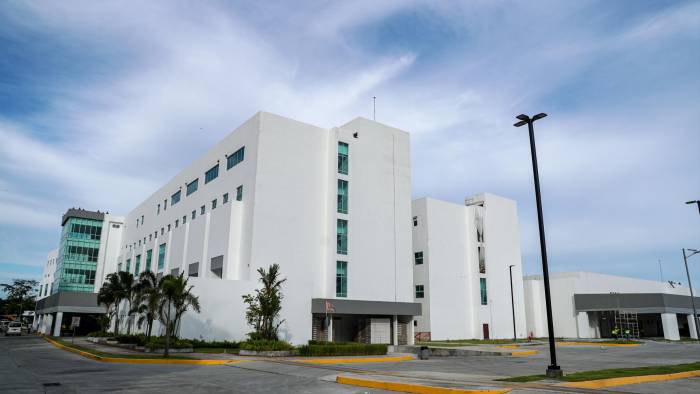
{"x":102,"y":102}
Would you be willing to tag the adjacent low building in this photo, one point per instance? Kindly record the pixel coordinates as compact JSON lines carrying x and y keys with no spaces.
{"x":591,"y":305}
{"x":332,"y":207}
{"x":74,"y":272}
{"x":467,"y":269}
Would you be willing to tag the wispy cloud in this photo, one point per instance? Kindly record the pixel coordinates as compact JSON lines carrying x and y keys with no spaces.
{"x":136,"y":91}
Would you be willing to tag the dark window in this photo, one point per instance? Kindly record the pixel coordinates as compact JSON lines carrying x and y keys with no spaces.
{"x":174,"y":199}
{"x":211,"y":174}
{"x":418,"y":256}
{"x":420,"y":293}
{"x":192,"y":186}
{"x":235,"y":158}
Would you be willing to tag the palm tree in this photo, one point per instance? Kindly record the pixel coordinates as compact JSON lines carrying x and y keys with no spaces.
{"x":106,"y":297}
{"x":176,"y":299}
{"x":117,"y":287}
{"x":148,"y":300}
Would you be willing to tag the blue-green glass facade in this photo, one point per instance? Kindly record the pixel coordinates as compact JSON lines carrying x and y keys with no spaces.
{"x":77,"y":256}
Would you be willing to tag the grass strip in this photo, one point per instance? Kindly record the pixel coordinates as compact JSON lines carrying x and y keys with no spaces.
{"x":215,"y":350}
{"x":98,"y":353}
{"x":612,"y":373}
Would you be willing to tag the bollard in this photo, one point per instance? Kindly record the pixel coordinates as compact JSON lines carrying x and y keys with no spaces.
{"x":424,"y":353}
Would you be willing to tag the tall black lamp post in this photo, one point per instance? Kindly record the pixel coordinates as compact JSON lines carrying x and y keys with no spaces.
{"x":694,"y":202}
{"x":553,"y":370}
{"x":690,"y":285}
{"x":512,"y":302}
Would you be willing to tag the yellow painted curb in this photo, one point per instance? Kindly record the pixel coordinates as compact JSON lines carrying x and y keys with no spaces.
{"x":595,"y":384}
{"x":412,"y":388}
{"x":525,"y":353}
{"x":140,"y":360}
{"x":576,"y":343}
{"x":509,"y":346}
{"x":356,"y":360}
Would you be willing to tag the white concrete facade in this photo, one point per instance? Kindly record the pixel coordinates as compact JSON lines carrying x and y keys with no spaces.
{"x":287,"y":215}
{"x":47,"y":276}
{"x":451,"y":274}
{"x":572,"y":323}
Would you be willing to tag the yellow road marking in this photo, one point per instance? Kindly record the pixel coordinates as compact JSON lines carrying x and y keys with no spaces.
{"x":594,"y":384}
{"x":525,"y":353}
{"x":140,"y":360}
{"x":412,"y":388}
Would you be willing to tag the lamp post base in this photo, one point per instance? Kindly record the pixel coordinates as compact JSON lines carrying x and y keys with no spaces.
{"x":554,"y":372}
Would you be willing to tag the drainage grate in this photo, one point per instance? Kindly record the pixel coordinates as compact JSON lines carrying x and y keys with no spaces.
{"x":52,"y":384}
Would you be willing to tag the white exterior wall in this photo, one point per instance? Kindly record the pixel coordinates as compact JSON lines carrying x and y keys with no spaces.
{"x":47,"y":276}
{"x":287,"y":216}
{"x":563,"y":286}
{"x":110,"y":242}
{"x":446,"y":234}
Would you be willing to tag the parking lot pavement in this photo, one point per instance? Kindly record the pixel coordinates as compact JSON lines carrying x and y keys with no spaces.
{"x":31,"y":365}
{"x":571,"y":359}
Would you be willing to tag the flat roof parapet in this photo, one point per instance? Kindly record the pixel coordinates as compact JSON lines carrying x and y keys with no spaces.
{"x":82,"y":214}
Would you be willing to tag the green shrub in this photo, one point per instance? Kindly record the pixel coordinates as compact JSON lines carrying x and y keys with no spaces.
{"x":138,"y":339}
{"x":215,"y":344}
{"x":175,"y":343}
{"x":101,"y":334}
{"x":261,"y":345}
{"x":315,"y":348}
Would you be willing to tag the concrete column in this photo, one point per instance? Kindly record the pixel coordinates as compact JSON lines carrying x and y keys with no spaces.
{"x":395,"y":330}
{"x":59,"y":319}
{"x":330,"y":328}
{"x":691,"y":326}
{"x":583,"y":325}
{"x":411,"y":333}
{"x":669,"y":322}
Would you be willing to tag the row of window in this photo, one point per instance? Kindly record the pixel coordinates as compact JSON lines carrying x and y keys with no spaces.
{"x":341,"y":268}
{"x":149,"y":258}
{"x":202,"y":209}
{"x":211,"y":174}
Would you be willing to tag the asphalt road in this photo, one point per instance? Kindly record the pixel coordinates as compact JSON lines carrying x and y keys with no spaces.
{"x":31,"y":365}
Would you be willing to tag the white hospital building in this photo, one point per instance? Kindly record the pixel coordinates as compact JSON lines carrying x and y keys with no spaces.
{"x":591,"y":305}
{"x":332,"y":207}
{"x":463,"y":256}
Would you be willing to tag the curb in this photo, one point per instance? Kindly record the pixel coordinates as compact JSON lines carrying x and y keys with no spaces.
{"x":525,"y":353}
{"x":579,"y":343}
{"x":139,"y":360}
{"x":355,"y":360}
{"x":411,"y":387}
{"x":611,"y":382}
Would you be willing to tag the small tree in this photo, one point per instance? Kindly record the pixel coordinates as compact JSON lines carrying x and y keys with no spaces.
{"x":20,"y":294}
{"x":265,"y":304}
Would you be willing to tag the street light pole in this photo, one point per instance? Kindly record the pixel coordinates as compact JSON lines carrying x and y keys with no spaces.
{"x":694,"y":202}
{"x":512,"y":303}
{"x":692,"y":297}
{"x":553,"y":370}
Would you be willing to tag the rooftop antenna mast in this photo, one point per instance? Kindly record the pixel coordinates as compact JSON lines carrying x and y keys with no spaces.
{"x":374,"y":107}
{"x":661,"y":272}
